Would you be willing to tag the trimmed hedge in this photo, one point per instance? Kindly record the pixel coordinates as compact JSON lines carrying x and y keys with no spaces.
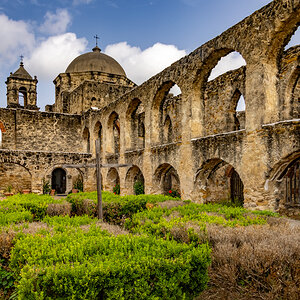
{"x":92,"y":265}
{"x":23,"y":205}
{"x":115,"y":208}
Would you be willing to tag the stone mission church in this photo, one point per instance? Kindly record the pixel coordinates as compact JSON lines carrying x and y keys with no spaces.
{"x":195,"y":143}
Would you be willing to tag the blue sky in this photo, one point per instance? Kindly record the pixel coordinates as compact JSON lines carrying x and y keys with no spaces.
{"x":145,"y":36}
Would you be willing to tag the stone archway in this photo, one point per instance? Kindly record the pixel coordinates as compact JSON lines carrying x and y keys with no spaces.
{"x":217,"y":181}
{"x":59,"y":180}
{"x":284,"y":182}
{"x":166,"y":179}
{"x":112,"y":179}
{"x":15,"y":177}
{"x":134,"y":176}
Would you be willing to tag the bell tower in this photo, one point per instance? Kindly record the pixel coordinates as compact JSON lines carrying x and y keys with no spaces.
{"x":21,"y":89}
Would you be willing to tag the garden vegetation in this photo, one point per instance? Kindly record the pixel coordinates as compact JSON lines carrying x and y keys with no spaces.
{"x":148,"y":247}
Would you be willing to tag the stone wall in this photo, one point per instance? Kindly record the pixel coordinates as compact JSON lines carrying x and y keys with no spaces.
{"x":27,"y":130}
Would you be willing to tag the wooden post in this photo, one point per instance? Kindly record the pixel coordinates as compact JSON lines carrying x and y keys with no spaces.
{"x":99,"y":187}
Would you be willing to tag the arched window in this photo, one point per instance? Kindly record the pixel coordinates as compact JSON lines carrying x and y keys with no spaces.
{"x":231,"y":61}
{"x":98,"y":134}
{"x":112,"y":143}
{"x":165,"y":103}
{"x":168,"y":130}
{"x":86,"y":138}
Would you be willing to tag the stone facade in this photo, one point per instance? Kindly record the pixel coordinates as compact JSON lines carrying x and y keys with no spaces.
{"x":195,"y":143}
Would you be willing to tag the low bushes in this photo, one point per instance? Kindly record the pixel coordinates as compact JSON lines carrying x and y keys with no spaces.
{"x":93,"y":265}
{"x":254,"y":262}
{"x":20,"y":206}
{"x":115,"y":208}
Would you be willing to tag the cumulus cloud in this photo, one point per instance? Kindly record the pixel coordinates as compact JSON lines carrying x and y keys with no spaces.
{"x":232,"y":61}
{"x":139,"y":64}
{"x":16,"y":38}
{"x":56,"y":23}
{"x":54,"y":54}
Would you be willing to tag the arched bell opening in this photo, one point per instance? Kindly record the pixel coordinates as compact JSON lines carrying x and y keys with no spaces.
{"x":22,"y":96}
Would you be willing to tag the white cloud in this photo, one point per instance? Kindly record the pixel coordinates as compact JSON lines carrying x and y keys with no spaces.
{"x":232,"y":61}
{"x":56,"y":23}
{"x":16,"y":38}
{"x":140,"y":65}
{"x":54,"y":54}
{"x":78,"y":2}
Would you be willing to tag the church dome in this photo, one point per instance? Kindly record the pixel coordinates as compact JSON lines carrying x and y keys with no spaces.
{"x":95,"y":61}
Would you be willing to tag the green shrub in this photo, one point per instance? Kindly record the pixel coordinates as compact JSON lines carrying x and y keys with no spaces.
{"x":15,"y":217}
{"x":92,"y":265}
{"x":7,"y":280}
{"x":46,"y":187}
{"x":138,"y":188}
{"x":78,"y":184}
{"x":116,"y":189}
{"x":115,"y":208}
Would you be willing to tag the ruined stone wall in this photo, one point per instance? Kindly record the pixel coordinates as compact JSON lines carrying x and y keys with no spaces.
{"x":27,"y":130}
{"x":220,"y":101}
{"x":289,"y":84}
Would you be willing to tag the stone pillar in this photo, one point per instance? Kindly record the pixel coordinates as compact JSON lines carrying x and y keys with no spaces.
{"x":261,"y":95}
{"x":196,"y":125}
{"x":36,"y":181}
{"x":186,"y":165}
{"x":122,"y":171}
{"x":147,"y":164}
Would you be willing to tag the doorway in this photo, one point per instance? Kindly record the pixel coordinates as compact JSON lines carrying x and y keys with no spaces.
{"x":59,"y":181}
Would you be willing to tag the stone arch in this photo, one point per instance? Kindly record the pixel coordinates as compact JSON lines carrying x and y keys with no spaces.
{"x":284,"y":183}
{"x":72,"y":175}
{"x":86,"y":140}
{"x":134,"y":125}
{"x":232,"y":61}
{"x":218,"y":181}
{"x":15,"y":176}
{"x":239,"y":114}
{"x":22,"y":96}
{"x":166,"y":178}
{"x":98,"y":134}
{"x":168,"y":130}
{"x":113,"y":137}
{"x":134,"y":174}
{"x":282,"y":36}
{"x":292,"y":95}
{"x":200,"y":93}
{"x":163,"y":104}
{"x":112,"y":179}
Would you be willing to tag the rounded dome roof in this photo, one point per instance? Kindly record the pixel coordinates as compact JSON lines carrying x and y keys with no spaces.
{"x":95,"y":61}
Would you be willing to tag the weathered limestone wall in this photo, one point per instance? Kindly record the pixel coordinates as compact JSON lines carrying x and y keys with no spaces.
{"x":15,"y":177}
{"x":27,"y":130}
{"x":220,"y":101}
{"x":94,"y":94}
